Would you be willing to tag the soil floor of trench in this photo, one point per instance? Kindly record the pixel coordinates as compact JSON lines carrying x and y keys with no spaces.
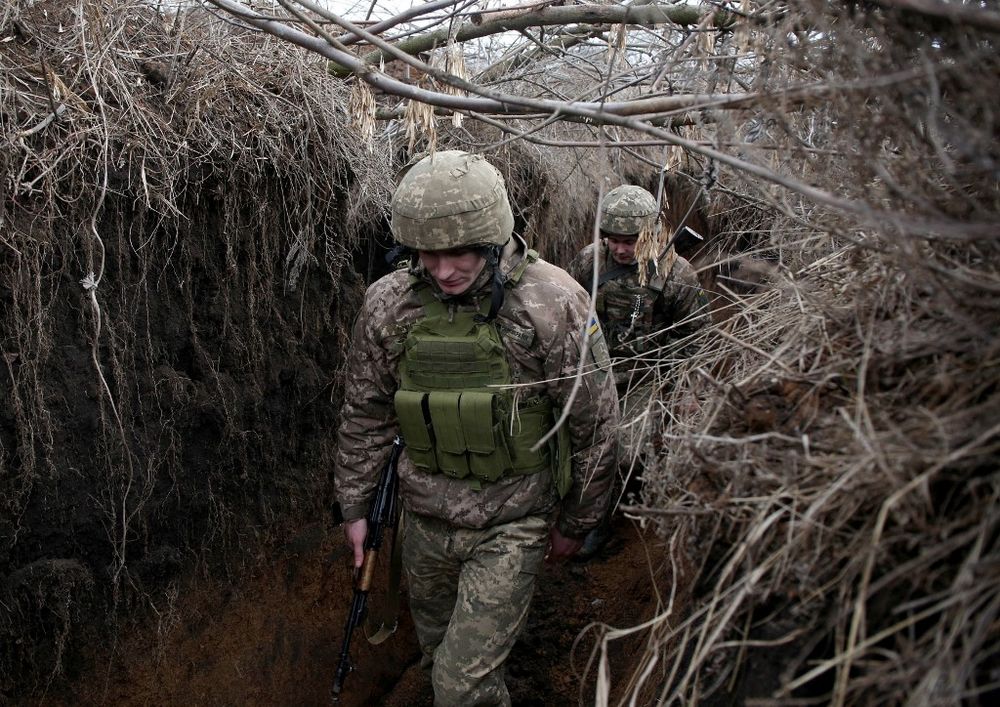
{"x":275,"y":639}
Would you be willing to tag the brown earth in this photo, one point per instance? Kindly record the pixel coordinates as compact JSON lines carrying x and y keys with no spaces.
{"x":275,"y":639}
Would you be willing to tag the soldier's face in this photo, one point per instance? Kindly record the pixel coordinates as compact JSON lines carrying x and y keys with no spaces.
{"x":622,"y":248}
{"x":453,"y":270}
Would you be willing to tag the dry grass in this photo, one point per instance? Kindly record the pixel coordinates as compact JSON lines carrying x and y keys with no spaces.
{"x":839,"y":481}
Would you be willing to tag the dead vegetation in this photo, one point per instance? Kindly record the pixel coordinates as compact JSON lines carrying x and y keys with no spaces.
{"x":836,"y":486}
{"x":839,"y":481}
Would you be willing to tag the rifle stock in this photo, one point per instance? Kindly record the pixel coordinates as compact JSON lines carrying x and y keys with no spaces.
{"x":381,"y":515}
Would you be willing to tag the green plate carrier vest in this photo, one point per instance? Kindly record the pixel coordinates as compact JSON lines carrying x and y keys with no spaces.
{"x":452,"y":417}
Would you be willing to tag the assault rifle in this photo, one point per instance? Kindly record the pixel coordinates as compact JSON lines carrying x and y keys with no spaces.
{"x":381,"y":515}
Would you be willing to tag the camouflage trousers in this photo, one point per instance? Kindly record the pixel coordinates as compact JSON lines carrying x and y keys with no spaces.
{"x":469,"y":594}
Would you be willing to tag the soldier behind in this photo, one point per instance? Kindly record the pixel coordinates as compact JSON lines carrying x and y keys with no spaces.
{"x":637,"y":319}
{"x":470,"y":353}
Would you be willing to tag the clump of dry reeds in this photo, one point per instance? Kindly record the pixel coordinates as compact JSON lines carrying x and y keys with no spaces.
{"x":838,"y":486}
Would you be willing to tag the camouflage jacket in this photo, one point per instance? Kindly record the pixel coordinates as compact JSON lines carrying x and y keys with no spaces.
{"x":637,"y":318}
{"x":541,"y":322}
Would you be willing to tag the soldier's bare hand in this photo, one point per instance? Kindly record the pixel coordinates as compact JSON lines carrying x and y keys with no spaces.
{"x":560,"y":547}
{"x":356,"y":531}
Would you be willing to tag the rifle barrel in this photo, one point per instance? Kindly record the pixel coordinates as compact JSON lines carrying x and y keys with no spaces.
{"x":353,"y":619}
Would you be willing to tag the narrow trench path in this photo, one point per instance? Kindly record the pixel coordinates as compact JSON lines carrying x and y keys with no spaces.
{"x":275,"y":639}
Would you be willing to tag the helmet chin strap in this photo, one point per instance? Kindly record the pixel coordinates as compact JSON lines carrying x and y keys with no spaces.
{"x":497,"y":282}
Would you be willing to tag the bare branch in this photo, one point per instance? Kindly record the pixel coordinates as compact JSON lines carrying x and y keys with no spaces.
{"x":350,"y":38}
{"x":634,"y":115}
{"x":954,"y":12}
{"x":486,"y":24}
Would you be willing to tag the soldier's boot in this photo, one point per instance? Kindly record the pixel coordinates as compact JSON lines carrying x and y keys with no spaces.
{"x":596,"y":540}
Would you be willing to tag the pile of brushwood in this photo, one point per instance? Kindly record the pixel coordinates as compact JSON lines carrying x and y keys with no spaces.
{"x":836,"y":484}
{"x":179,"y":205}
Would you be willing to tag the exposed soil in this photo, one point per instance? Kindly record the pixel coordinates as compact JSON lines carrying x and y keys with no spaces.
{"x":276,"y":639}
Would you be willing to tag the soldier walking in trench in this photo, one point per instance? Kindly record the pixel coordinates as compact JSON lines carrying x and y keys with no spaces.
{"x":638,"y":318}
{"x":471,"y":354}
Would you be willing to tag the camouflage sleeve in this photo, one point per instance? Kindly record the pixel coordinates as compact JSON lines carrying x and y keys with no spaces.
{"x":581,"y":267}
{"x":368,"y":419}
{"x":593,"y":414}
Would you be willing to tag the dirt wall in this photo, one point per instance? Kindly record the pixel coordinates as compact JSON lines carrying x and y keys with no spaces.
{"x":210,"y":439}
{"x":176,"y":292}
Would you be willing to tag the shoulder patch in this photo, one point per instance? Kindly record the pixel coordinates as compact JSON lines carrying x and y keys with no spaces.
{"x":598,"y":345}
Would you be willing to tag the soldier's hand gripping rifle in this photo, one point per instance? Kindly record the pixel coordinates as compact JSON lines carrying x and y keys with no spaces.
{"x":381,"y":515}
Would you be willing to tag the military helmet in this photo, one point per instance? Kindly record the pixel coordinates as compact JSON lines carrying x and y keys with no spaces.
{"x":451,"y":199}
{"x":626,"y":210}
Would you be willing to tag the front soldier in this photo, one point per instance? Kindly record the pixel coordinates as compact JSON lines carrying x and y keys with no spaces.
{"x":471,"y":354}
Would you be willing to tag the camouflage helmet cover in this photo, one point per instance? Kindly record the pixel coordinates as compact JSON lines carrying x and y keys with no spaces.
{"x":626,"y":210}
{"x":451,"y":199}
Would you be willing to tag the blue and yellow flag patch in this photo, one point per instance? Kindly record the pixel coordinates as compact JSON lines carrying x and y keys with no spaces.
{"x":598,"y":347}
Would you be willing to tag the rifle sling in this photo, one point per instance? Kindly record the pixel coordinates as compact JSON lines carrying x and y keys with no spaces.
{"x":619,"y":270}
{"x":615,"y":273}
